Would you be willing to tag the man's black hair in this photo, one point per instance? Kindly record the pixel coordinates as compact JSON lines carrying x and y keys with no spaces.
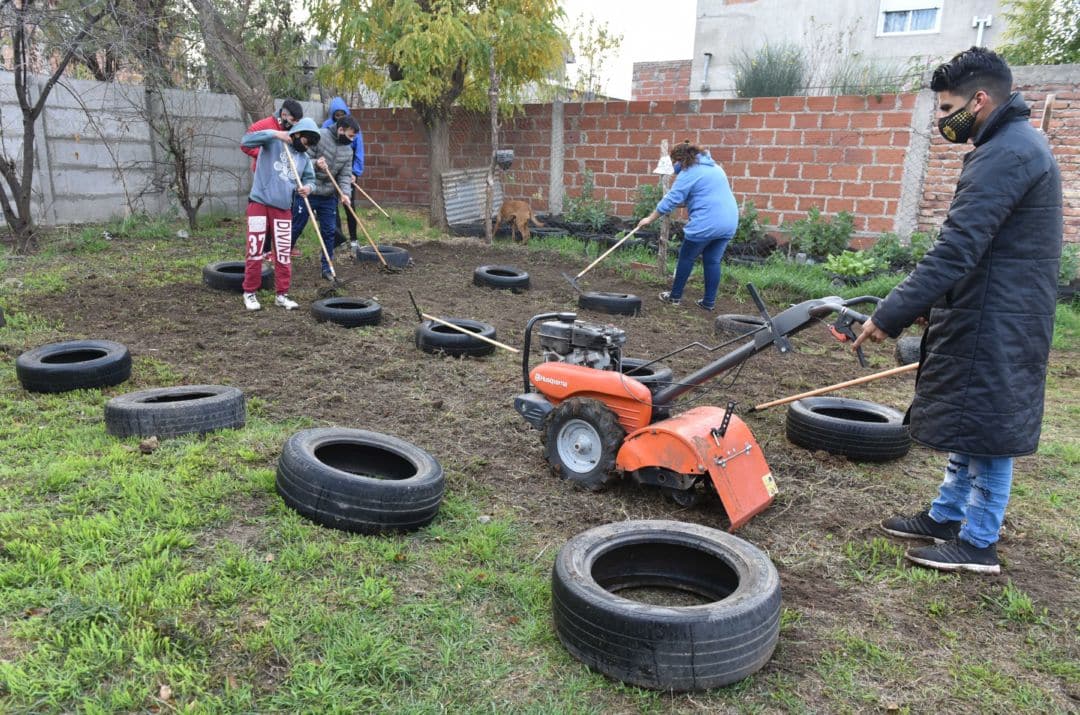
{"x":348,"y":122}
{"x":293,"y":107}
{"x":974,"y":69}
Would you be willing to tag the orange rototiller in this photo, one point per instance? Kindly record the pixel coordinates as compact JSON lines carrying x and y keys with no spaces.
{"x":598,"y":422}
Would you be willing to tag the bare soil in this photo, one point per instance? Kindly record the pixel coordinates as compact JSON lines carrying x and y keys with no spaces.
{"x":460,"y":410}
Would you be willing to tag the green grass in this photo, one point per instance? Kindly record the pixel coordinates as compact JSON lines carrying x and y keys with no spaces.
{"x":121,"y":573}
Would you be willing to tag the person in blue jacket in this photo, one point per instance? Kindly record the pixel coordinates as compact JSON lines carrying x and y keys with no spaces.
{"x":703,"y":186}
{"x":339,"y":109}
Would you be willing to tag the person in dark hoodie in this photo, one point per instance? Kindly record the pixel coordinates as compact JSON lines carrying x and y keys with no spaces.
{"x":987,"y":288}
{"x":703,"y":186}
{"x":339,"y":109}
{"x":269,"y":211}
{"x":334,"y":154}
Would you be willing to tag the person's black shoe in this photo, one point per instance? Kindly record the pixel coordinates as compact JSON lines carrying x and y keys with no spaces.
{"x":921,"y":526}
{"x":326,"y":276}
{"x":957,"y":555}
{"x":701,"y":304}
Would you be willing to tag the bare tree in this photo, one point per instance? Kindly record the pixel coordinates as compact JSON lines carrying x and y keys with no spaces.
{"x":21,"y":23}
{"x":233,"y":66}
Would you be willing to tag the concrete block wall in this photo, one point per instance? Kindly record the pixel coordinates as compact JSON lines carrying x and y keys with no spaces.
{"x":95,"y":160}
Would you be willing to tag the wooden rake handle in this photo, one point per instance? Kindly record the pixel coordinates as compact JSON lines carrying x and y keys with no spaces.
{"x":840,"y":385}
{"x":311,"y":214}
{"x":348,"y":205}
{"x":372,"y":201}
{"x":605,"y":253}
{"x":460,"y":329}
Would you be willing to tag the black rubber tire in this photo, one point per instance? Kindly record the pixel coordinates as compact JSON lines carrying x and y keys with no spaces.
{"x":73,"y":365}
{"x":606,"y":437}
{"x":173,"y":411}
{"x":229,"y":275}
{"x":349,"y":312}
{"x":612,"y":303}
{"x":432,"y":337}
{"x":734,"y":324}
{"x":654,"y":377}
{"x":505,"y":277}
{"x":908,"y":349}
{"x":729,"y":636}
{"x":359,"y":481}
{"x":395,"y":256}
{"x":857,"y":429}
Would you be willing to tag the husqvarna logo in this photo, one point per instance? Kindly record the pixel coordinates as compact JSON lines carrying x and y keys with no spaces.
{"x":550,"y":380}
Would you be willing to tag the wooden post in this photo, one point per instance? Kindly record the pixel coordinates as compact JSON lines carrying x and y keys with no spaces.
{"x":664,"y":171}
{"x":493,"y":101}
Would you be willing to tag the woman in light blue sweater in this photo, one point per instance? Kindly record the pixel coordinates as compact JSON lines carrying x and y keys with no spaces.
{"x":703,"y":186}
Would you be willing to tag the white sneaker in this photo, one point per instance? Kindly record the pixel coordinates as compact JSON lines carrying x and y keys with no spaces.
{"x":286,"y":302}
{"x":251,"y":302}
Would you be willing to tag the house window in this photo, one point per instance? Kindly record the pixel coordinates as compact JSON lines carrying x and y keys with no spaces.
{"x":903,"y":17}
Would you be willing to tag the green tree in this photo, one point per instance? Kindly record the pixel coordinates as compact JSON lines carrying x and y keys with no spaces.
{"x":592,"y":43}
{"x":1042,"y":32}
{"x":433,"y":54}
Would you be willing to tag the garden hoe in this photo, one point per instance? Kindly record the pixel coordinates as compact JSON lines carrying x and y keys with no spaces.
{"x":391,"y":218}
{"x":573,"y":281}
{"x":335,"y":284}
{"x":348,"y":206}
{"x":422,"y":316}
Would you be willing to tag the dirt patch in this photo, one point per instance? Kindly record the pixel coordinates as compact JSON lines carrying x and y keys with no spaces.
{"x":461,"y":410}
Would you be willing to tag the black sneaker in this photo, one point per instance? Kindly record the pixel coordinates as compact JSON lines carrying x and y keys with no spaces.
{"x":326,"y":276}
{"x":665,"y":297}
{"x":957,"y":555}
{"x":921,"y":526}
{"x":701,"y":304}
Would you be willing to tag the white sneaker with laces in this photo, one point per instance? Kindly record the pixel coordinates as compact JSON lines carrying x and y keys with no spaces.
{"x":251,"y":302}
{"x":286,"y":302}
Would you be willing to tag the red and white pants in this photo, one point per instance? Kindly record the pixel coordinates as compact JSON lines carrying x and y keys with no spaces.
{"x":263,"y":221}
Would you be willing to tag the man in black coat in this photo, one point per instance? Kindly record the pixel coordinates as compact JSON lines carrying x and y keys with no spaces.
{"x":987,"y":290}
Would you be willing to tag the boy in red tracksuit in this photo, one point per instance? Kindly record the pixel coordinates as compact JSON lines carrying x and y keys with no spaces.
{"x":269,"y":211}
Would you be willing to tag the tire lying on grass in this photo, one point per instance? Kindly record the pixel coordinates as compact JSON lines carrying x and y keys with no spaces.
{"x":435,"y":338}
{"x":732,"y":324}
{"x":360,"y":481}
{"x":73,"y":365}
{"x":505,"y":277}
{"x":229,"y":275}
{"x":908,"y":349}
{"x":654,"y":377}
{"x":395,"y":256}
{"x":612,"y":303}
{"x":606,"y":584}
{"x":173,"y":411}
{"x":857,"y":429}
{"x":349,"y":312}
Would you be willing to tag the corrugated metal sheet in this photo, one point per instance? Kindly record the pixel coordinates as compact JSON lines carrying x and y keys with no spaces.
{"x":464,"y":191}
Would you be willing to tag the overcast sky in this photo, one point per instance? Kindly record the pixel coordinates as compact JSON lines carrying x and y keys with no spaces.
{"x":652,"y":30}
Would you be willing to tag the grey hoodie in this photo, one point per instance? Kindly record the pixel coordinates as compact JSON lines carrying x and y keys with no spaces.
{"x":273,"y":184}
{"x":339,"y":158}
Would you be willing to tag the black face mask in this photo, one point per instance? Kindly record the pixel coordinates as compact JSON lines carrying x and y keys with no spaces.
{"x":957,"y":127}
{"x":286,"y":124}
{"x":298,"y":144}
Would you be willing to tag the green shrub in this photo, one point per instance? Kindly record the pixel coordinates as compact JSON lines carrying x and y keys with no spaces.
{"x":751,"y":227}
{"x":861,"y":76}
{"x":1070,"y":263}
{"x":920,"y":244}
{"x":890,"y":251}
{"x":772,"y":71}
{"x":648,"y":196}
{"x":853,"y":264}
{"x":586,"y":208}
{"x":819,"y":237}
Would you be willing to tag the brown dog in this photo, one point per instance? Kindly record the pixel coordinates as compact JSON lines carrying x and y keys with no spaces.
{"x":521,"y":213}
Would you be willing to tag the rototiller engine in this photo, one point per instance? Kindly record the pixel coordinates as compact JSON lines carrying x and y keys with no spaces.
{"x":597,"y":422}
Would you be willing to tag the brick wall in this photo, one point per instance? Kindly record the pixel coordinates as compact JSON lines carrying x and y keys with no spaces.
{"x":661,"y":80}
{"x":943,"y":167}
{"x":786,"y":154}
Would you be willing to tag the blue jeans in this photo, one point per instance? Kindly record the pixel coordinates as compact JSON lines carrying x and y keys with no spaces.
{"x":975,"y":491}
{"x":711,"y":252}
{"x":325,"y":208}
